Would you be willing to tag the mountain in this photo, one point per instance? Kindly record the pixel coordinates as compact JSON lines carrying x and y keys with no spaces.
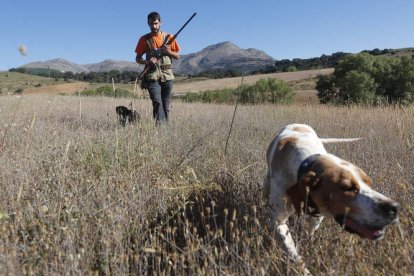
{"x":224,"y":55}
{"x":110,"y":64}
{"x":59,"y":64}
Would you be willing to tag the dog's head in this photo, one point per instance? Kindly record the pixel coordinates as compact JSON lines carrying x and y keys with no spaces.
{"x":343,"y":191}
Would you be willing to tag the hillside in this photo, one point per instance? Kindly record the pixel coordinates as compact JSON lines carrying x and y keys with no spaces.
{"x":216,"y":84}
{"x":302,"y":82}
{"x":14,"y":82}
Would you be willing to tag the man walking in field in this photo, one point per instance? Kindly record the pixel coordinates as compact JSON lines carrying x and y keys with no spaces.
{"x":159,"y":79}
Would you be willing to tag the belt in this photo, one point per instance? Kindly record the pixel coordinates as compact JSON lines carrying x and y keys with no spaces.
{"x":166,"y":66}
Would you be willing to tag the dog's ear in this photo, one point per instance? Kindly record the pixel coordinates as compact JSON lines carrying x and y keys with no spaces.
{"x":298,"y":193}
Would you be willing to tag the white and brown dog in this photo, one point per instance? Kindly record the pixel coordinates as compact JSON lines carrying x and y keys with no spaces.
{"x":302,"y":176}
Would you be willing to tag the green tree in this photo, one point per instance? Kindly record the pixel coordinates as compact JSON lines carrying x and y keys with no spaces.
{"x":364,"y":78}
{"x":357,"y":87}
{"x":327,"y":92}
{"x":401,"y":88}
{"x":360,"y":62}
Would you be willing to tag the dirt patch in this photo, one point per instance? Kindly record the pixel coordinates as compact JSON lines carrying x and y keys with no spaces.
{"x":56,"y":89}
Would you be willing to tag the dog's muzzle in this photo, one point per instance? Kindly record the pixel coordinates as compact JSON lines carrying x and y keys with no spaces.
{"x":388,"y":210}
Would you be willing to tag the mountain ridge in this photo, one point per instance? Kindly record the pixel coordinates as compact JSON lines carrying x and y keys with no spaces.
{"x":223,"y":55}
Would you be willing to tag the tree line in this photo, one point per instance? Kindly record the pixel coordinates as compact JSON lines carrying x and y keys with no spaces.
{"x":284,"y":65}
{"x":369,"y":79}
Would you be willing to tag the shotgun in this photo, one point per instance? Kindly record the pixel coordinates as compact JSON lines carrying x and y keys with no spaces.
{"x":167,"y":42}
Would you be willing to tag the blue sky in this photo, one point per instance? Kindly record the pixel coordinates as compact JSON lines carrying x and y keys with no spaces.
{"x":90,"y":31}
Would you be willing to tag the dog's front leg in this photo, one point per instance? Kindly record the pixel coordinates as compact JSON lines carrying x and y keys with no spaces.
{"x":282,"y":234}
{"x":284,"y":237}
{"x":314,"y":224}
{"x":279,"y":213}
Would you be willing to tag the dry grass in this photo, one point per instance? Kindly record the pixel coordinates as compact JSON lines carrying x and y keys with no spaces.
{"x":80,"y":195}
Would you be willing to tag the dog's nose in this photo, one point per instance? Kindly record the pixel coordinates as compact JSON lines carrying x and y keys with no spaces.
{"x":390,"y":209}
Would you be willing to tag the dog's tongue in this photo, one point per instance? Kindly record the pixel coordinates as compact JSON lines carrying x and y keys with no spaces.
{"x":363,"y":231}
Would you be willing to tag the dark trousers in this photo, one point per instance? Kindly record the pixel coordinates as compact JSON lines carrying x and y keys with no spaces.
{"x":160,"y":94}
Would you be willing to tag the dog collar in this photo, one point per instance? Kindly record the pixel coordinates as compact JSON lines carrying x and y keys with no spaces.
{"x":311,"y":208}
{"x":306,"y":164}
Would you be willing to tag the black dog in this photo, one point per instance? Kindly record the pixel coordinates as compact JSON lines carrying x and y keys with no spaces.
{"x":127,"y":115}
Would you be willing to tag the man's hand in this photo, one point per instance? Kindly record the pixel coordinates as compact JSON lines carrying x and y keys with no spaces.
{"x":152,"y":61}
{"x":166,"y":49}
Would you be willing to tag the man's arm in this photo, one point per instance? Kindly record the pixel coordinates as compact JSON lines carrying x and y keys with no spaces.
{"x":140,"y":60}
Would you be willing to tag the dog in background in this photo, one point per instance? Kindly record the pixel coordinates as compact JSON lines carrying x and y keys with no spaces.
{"x":126,"y":115}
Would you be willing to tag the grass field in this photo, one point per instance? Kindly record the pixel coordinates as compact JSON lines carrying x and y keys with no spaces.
{"x":80,"y":195}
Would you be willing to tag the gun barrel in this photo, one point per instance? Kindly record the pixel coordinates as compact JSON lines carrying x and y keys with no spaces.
{"x":179,"y":31}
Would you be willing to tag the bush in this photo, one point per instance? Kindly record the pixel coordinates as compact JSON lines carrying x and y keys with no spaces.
{"x":264,"y":91}
{"x":218,"y":96}
{"x":267,"y":90}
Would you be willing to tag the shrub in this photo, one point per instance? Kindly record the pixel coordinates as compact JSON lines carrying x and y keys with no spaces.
{"x":264,"y":91}
{"x":217,"y":96}
{"x":267,"y":90}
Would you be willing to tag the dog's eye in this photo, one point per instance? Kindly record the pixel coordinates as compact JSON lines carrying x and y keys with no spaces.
{"x":348,"y":187}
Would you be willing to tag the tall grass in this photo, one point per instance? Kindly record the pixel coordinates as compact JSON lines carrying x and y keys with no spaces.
{"x":81,"y":195}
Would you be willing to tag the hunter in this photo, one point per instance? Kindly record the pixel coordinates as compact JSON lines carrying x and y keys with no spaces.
{"x":159,"y":78}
